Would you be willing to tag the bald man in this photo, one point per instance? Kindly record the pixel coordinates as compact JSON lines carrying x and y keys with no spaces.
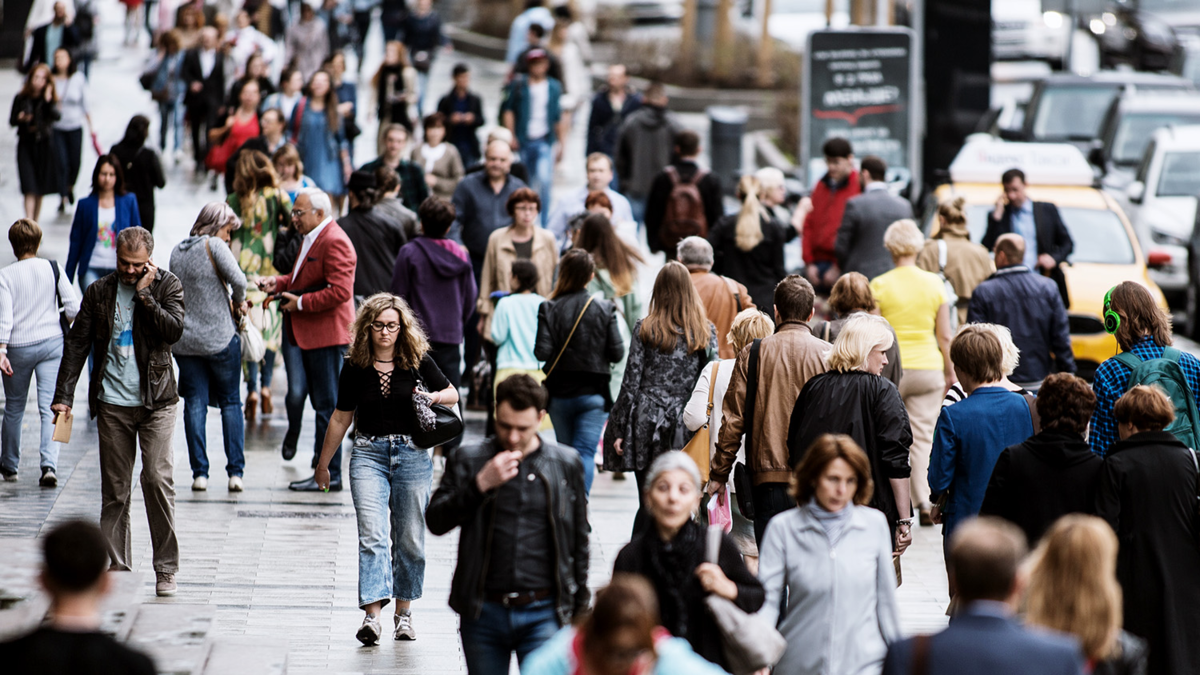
{"x":1030,"y":306}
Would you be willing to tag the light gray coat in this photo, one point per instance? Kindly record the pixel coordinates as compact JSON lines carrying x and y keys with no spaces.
{"x":859,"y":245}
{"x":207,"y":326}
{"x":841,"y":600}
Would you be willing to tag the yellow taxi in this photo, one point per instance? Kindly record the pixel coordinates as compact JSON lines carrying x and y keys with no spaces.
{"x":1106,"y":249}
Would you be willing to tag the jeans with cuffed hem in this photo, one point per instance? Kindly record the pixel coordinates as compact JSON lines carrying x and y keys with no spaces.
{"x":538,"y":156}
{"x":490,"y":640}
{"x":578,"y":422}
{"x":39,"y":359}
{"x":391,"y":482}
{"x":214,"y":378}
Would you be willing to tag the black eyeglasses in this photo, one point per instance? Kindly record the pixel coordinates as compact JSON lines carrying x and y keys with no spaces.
{"x":379,"y":327}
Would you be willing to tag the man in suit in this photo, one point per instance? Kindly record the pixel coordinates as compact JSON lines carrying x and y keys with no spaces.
{"x":318,"y":305}
{"x":1047,"y":240}
{"x":984,"y":638}
{"x":859,"y":246}
{"x":203,"y":73}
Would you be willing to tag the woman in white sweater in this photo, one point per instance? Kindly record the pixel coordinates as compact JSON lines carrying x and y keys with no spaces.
{"x":749,"y":325}
{"x":33,"y":292}
{"x":831,"y":558}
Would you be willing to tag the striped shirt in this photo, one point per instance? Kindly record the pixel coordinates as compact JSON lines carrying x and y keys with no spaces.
{"x":28,"y":309}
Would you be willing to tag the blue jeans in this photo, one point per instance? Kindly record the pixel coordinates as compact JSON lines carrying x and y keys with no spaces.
{"x":637,"y":205}
{"x":578,"y":422}
{"x":391,"y":482}
{"x":538,"y":157}
{"x":297,"y":391}
{"x":215,"y":377}
{"x":41,"y":359}
{"x":489,"y":641}
{"x":267,"y":369}
{"x":322,"y":368}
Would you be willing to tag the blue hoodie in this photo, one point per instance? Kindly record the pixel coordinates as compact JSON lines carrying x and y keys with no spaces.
{"x":438,"y":285}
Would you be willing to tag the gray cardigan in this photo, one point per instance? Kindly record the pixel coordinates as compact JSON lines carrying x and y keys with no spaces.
{"x":841,"y":601}
{"x":207,"y":326}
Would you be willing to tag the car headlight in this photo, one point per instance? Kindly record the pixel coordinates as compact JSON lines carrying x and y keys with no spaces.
{"x":1166,"y":239}
{"x":1097,"y":26}
{"x":1052,"y":19}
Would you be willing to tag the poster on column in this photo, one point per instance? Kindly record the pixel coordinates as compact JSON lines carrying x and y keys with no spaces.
{"x":860,"y":84}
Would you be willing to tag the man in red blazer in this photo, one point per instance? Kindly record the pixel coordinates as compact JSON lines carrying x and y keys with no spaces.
{"x":317,"y":301}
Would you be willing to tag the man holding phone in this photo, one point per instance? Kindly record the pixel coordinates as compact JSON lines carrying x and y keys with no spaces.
{"x":1047,"y":240}
{"x":130,"y":319}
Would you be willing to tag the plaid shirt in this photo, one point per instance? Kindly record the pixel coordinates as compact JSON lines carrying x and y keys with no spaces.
{"x":1111,"y":382}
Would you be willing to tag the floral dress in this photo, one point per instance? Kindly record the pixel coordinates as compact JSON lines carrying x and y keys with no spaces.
{"x":253,"y":244}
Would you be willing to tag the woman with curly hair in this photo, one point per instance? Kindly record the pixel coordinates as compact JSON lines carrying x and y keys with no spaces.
{"x":387,"y":378}
{"x":265,"y":212}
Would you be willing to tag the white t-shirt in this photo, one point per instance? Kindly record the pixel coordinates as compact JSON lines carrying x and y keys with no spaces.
{"x":539,"y":104}
{"x":104,"y":255}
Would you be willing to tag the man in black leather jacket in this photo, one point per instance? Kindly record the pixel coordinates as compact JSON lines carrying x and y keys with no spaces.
{"x":523,"y":550}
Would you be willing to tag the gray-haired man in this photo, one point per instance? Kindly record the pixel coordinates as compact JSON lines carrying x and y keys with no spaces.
{"x":130,"y":319}
{"x":723,"y":297}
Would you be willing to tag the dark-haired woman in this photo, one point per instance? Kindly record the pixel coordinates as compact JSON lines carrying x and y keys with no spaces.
{"x":615,"y":280}
{"x":319,"y":135}
{"x":515,"y":323}
{"x":389,"y":379}
{"x":141,"y":166}
{"x":440,"y":160}
{"x":667,"y":353}
{"x":578,"y":340}
{"x":99,"y":218}
{"x":240,"y":126}
{"x":1054,"y":472}
{"x":34,"y":112}
{"x":73,"y":110}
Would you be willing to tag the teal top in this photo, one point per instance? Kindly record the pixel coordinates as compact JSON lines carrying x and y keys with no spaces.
{"x":514,"y":330}
{"x":122,"y":383}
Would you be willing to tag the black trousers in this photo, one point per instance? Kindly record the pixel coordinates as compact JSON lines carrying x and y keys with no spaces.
{"x":202,"y":116}
{"x":448,"y":358}
{"x":770,"y":499}
{"x":68,"y":145}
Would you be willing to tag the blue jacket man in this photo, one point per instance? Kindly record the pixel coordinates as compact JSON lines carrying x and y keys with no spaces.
{"x":1030,"y":306}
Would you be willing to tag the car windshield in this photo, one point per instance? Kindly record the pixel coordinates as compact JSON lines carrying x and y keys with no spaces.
{"x":1099,"y":235}
{"x":1135,"y":130}
{"x":1180,"y":175}
{"x":1072,"y":113}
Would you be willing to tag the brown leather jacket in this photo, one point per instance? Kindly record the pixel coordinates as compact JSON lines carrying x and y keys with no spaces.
{"x":786,"y":360}
{"x":721,"y":302}
{"x":157,"y":324}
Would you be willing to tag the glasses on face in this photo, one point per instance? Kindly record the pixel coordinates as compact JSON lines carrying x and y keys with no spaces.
{"x":529,"y":208}
{"x":379,"y":326}
{"x":296,"y":213}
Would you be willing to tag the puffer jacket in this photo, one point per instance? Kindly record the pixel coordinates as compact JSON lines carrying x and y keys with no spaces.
{"x":459,"y":503}
{"x":157,"y":324}
{"x":596,"y":344}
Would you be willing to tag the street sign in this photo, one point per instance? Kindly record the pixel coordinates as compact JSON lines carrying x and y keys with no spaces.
{"x":860,"y":84}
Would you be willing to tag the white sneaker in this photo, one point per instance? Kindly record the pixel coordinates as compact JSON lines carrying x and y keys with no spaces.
{"x":235,"y":484}
{"x":370,"y":631}
{"x":199,"y":484}
{"x":404,"y":627}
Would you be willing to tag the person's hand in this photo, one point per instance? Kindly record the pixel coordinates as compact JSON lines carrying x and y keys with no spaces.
{"x":196,"y":86}
{"x":5,"y":366}
{"x":430,"y":179}
{"x":479,"y":326}
{"x":998,"y":212}
{"x":466,"y":118}
{"x":617,"y":446}
{"x":1046,"y":262}
{"x":266,"y":284}
{"x":321,"y":476}
{"x":61,"y":408}
{"x":951,"y":380}
{"x":346,"y":170}
{"x":831,"y":275}
{"x":936,"y":515}
{"x":813,"y":275}
{"x":147,"y":277}
{"x":903,"y":538}
{"x":344,"y":109}
{"x":804,"y":206}
{"x":713,"y":580}
{"x":48,"y":94}
{"x":558,"y":153}
{"x":715,"y":487}
{"x":291,"y":303}
{"x":499,"y":470}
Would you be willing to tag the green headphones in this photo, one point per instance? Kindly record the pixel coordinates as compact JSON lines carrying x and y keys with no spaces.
{"x":1112,"y":320}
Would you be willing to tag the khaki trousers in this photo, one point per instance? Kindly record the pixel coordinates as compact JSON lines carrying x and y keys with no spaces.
{"x":122,"y":429}
{"x":922,"y":391}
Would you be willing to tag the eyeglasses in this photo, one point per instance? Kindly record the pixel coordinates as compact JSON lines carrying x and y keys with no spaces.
{"x":378,"y":327}
{"x":526,"y":207}
{"x":296,"y":213}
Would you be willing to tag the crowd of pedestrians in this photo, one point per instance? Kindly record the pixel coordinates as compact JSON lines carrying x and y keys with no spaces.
{"x":896,"y":382}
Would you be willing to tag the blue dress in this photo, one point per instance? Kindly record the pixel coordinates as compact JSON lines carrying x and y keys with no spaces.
{"x":320,"y":151}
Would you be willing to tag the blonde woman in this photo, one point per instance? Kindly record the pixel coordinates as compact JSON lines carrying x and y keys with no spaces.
{"x":914,"y":302}
{"x":748,"y":246}
{"x":1073,"y":589}
{"x":749,"y":325}
{"x":388,"y":374}
{"x":967,"y":263}
{"x":853,"y":398}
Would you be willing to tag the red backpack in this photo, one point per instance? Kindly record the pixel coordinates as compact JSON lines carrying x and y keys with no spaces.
{"x":684,"y":216}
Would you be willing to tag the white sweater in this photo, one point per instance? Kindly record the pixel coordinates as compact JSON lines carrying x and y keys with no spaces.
{"x":28,"y":309}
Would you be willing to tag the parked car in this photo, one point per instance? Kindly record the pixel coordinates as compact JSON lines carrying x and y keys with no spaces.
{"x":1128,"y":127}
{"x":1022,"y":31}
{"x":1145,"y":34}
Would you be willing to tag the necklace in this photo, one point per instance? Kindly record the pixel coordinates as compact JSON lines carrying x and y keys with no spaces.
{"x":382,"y":361}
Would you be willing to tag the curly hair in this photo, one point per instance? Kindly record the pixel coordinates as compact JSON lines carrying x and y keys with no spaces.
{"x":1065,"y":402}
{"x":411,"y":343}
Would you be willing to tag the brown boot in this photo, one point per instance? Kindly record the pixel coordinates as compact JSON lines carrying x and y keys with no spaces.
{"x":267,"y":406}
{"x":251,"y":406}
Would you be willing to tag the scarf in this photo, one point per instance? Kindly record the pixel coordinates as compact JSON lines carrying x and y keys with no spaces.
{"x":833,"y":522}
{"x":672,"y":566}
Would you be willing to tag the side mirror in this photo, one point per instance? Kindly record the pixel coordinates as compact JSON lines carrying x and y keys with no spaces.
{"x":1096,"y":157}
{"x":1136,"y":191}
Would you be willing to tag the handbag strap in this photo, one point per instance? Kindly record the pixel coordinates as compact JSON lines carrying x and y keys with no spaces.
{"x":57,"y":295}
{"x":217,"y":271}
{"x":571,"y":334}
{"x":712,"y":385}
{"x":751,"y":401}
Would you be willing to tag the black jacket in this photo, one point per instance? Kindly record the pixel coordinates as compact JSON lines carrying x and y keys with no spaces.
{"x":660,"y":192}
{"x":1053,"y":238}
{"x":459,"y":503}
{"x":1131,"y":661}
{"x":377,"y":240}
{"x":1029,"y":305}
{"x":211,"y":97}
{"x":157,"y":324}
{"x":866,"y":407}
{"x":1048,"y":476}
{"x":143,"y":173}
{"x":760,"y":268}
{"x":597,"y":343}
{"x":604,"y":123}
{"x":463,"y":136}
{"x":70,"y":42}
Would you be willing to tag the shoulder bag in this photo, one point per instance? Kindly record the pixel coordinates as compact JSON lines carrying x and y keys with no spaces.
{"x":253,"y":346}
{"x":743,"y":478}
{"x":700,"y":447}
{"x":62,"y":310}
{"x":447,"y":426}
{"x":571,"y":334}
{"x":750,"y":644}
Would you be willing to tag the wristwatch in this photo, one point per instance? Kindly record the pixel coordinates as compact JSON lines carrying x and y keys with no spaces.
{"x":905,"y":521}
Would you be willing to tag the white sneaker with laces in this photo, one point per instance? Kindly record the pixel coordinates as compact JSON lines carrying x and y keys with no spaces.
{"x":369,"y":632}
{"x":199,"y":484}
{"x":404,"y":627}
{"x":235,"y":484}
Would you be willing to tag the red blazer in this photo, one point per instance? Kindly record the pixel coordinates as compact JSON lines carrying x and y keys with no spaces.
{"x":327,"y":314}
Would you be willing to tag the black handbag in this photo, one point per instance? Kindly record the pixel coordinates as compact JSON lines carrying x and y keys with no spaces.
{"x":63,"y":322}
{"x":449,"y":424}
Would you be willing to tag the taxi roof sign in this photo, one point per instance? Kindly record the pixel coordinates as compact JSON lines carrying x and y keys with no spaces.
{"x":984,"y":158}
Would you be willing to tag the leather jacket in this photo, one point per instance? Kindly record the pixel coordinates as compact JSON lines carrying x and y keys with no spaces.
{"x":459,"y":503}
{"x":157,"y":324}
{"x":597,"y":343}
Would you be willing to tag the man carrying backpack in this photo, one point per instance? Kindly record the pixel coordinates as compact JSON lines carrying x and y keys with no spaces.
{"x":1143,"y":331}
{"x":684,"y":198}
